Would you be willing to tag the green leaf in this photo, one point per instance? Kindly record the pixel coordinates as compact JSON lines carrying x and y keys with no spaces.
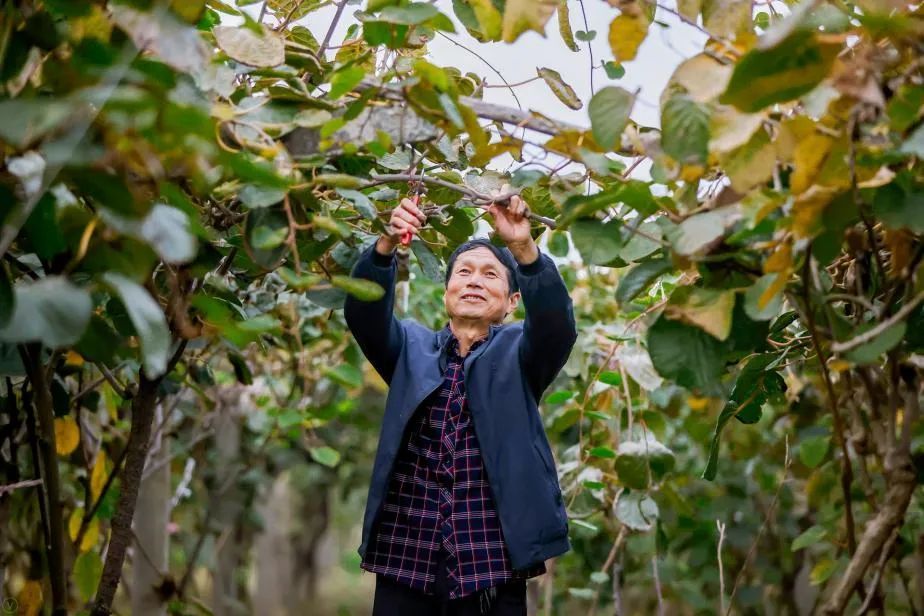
{"x":610,"y":378}
{"x":364,"y":290}
{"x":248,"y":47}
{"x":752,"y":299}
{"x":88,"y":569}
{"x":52,"y":310}
{"x":346,"y":375}
{"x":346,"y":79}
{"x":149,"y":322}
{"x":602,"y":452}
{"x":614,"y":70}
{"x":808,"y":538}
{"x":360,"y":201}
{"x":598,"y":242}
{"x":793,"y":67}
{"x":686,"y":354}
{"x":812,"y":451}
{"x":409,"y":14}
{"x":634,"y":458}
{"x":560,"y":89}
{"x":700,"y":230}
{"x":489,"y":19}
{"x":587,"y":36}
{"x":609,"y":111}
{"x":898,"y":208}
{"x":429,"y":264}
{"x":260,"y":196}
{"x":585,"y":525}
{"x":265,"y":238}
{"x":642,"y":242}
{"x":822,"y":571}
{"x":636,"y":510}
{"x":337,"y":180}
{"x":640,"y":278}
{"x":685,"y":130}
{"x":167,"y":230}
{"x":26,"y":120}
{"x":325,"y":455}
{"x":558,"y":244}
{"x":870,"y":352}
{"x":564,"y":26}
{"x":558,"y":397}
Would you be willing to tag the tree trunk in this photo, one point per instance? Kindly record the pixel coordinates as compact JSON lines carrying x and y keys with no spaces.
{"x":225,"y":592}
{"x":130,"y":482}
{"x":151,"y":540}
{"x":274,"y":557}
{"x":898,"y":496}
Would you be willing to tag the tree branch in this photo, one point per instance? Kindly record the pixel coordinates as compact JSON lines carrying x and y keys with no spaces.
{"x":44,"y":411}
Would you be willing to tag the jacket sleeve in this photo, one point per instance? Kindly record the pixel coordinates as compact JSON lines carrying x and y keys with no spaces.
{"x":549,"y":330}
{"x":373,"y":324}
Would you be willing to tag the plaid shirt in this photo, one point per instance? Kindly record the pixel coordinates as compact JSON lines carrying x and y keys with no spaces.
{"x":439,"y":495}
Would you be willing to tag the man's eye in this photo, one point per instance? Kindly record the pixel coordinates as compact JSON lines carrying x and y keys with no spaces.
{"x":492,"y":274}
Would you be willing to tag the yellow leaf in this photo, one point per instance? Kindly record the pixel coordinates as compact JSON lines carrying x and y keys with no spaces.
{"x":839,"y":365}
{"x":807,"y":210}
{"x":727,"y":18}
{"x":489,"y":18}
{"x":752,"y":164}
{"x":98,"y":475}
{"x":773,"y":289}
{"x":703,"y":77}
{"x":30,"y":598}
{"x":73,"y":358}
{"x":67,"y":435}
{"x":90,"y":536}
{"x":708,"y":309}
{"x":523,"y":15}
{"x":730,"y":129}
{"x":780,"y":260}
{"x":626,"y":34}
{"x":808,"y":158}
{"x":697,"y":404}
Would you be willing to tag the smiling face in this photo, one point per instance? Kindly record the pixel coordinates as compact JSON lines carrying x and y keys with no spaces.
{"x":478,"y":289}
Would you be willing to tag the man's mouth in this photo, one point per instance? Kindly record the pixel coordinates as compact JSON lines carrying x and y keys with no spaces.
{"x":472,"y":297}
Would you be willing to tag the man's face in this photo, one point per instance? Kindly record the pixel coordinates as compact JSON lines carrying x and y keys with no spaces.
{"x":478,"y":288}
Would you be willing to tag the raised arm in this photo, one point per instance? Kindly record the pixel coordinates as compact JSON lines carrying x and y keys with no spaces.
{"x":549,"y":330}
{"x":373,"y":324}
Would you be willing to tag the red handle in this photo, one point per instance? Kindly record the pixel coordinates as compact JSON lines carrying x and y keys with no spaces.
{"x":408,"y":236}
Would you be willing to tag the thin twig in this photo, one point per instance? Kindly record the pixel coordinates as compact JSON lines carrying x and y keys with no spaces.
{"x":721,"y":527}
{"x":491,"y":66}
{"x":21,"y":484}
{"x":880,"y":567}
{"x":330,"y":30}
{"x":590,"y":47}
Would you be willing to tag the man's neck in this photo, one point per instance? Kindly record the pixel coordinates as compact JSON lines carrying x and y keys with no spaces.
{"x":468,"y":333}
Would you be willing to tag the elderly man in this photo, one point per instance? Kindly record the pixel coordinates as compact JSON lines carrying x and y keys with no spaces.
{"x":464,"y":503}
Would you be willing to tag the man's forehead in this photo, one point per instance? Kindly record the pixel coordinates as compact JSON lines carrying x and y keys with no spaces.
{"x":480,"y":255}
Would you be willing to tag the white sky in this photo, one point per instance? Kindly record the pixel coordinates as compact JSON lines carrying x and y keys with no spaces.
{"x":662,"y":51}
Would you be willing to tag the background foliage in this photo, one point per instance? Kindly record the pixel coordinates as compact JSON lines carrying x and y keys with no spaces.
{"x":185,"y":189}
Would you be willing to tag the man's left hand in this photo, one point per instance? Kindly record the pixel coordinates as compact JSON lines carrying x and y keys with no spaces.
{"x":513,"y":226}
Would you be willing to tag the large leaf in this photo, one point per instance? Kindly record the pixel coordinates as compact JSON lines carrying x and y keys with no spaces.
{"x":639,"y":278}
{"x":177,"y":43}
{"x":697,"y":232}
{"x":627,"y":32}
{"x":634,"y":459}
{"x":564,"y":26}
{"x":27,"y":120}
{"x":523,"y":15}
{"x":598,"y":242}
{"x":53,"y":311}
{"x":247,"y":47}
{"x":166,"y":229}
{"x":781,"y":73}
{"x":686,"y":355}
{"x":685,"y":130}
{"x":609,"y":111}
{"x":149,"y":322}
{"x":709,"y":309}
{"x":489,"y":19}
{"x":636,"y":510}
{"x":365,"y":290}
{"x":560,"y":89}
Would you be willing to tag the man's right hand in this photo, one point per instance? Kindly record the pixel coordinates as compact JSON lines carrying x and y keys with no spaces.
{"x":406,"y":218}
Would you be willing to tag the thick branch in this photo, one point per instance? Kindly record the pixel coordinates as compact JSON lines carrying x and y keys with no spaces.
{"x":44,"y":410}
{"x":135,"y":456}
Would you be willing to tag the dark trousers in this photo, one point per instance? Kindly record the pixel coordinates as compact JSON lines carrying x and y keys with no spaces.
{"x":395,"y":599}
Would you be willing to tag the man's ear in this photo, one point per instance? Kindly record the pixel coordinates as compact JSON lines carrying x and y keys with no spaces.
{"x":512,"y":302}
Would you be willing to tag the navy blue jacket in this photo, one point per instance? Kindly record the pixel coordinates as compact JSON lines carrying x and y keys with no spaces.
{"x":504,"y":380}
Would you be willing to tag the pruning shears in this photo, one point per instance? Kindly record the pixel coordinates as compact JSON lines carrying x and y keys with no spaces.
{"x":418,"y":191}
